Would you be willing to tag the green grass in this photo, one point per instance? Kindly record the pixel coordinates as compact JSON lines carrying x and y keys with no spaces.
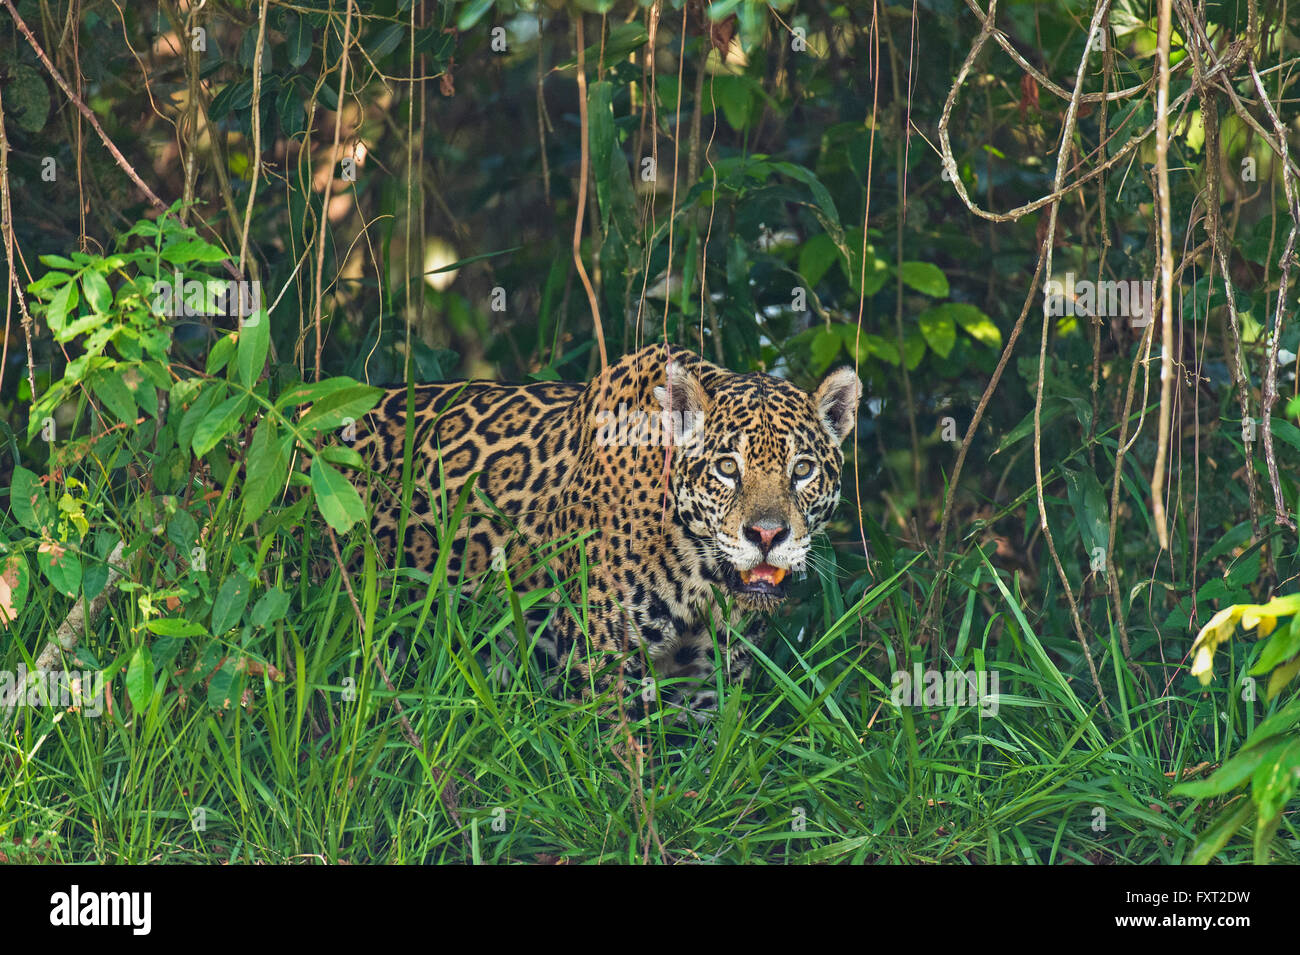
{"x":811,"y":762}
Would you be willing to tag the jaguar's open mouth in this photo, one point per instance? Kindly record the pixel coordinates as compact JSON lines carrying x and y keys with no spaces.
{"x":763,"y":580}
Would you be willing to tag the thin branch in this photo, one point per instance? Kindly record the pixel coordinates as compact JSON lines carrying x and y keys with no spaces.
{"x":256,"y":164}
{"x":950,"y":163}
{"x":1165,"y":28}
{"x":1269,"y":397}
{"x":12,"y":281}
{"x":329,"y":182}
{"x":1219,"y":242}
{"x":986,"y":21}
{"x":584,"y":161}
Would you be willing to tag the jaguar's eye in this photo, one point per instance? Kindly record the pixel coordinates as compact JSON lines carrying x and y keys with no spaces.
{"x":803,"y":469}
{"x":728,"y":468}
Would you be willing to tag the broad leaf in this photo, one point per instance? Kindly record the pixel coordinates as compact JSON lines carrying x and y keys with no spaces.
{"x":231,"y":600}
{"x":337,"y":499}
{"x":268,"y":468}
{"x":925,"y":278}
{"x":340,"y":408}
{"x":218,"y":423}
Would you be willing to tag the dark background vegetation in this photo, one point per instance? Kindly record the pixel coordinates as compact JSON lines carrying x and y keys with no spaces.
{"x":764,"y":184}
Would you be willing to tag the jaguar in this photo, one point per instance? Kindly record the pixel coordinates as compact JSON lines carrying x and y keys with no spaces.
{"x":673,"y":480}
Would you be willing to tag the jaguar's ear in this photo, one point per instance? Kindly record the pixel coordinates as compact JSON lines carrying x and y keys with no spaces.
{"x":681,"y":393}
{"x":837,"y":402}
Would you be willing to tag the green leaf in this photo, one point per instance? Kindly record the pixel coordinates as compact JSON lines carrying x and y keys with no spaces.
{"x":193,"y":250}
{"x":82,"y":325}
{"x":340,"y":408}
{"x":1286,"y":431}
{"x":94,"y":578}
{"x":139,"y":678}
{"x":97,"y":291}
{"x":1265,"y":829}
{"x":61,"y":566}
{"x":939,"y":330}
{"x":218,"y":423}
{"x":472,"y":13}
{"x":221,"y":688}
{"x":1280,"y":722}
{"x":913,"y":349}
{"x":43,"y":287}
{"x":268,"y":469}
{"x":1224,"y":828}
{"x":175,"y":627}
{"x":109,"y":388}
{"x":614,"y":193}
{"x":338,"y":500}
{"x":164,"y":650}
{"x":288,"y":106}
{"x":271,"y":607}
{"x":823,"y":203}
{"x":825,"y":346}
{"x":816,"y":257}
{"x":460,"y":263}
{"x":1283,"y":644}
{"x":298,"y":30}
{"x":25,"y":495}
{"x":872,"y":346}
{"x":1283,"y":606}
{"x":64,"y":301}
{"x":254,"y":340}
{"x":978,"y":325}
{"x":229,"y":606}
{"x":1274,"y":782}
{"x":387,"y":40}
{"x":620,"y":41}
{"x":821,"y":195}
{"x":851,"y":263}
{"x":303,"y":393}
{"x":925,"y":278}
{"x":341,"y":454}
{"x":1090,"y":509}
{"x":197,"y":411}
{"x":735,"y":94}
{"x":221,"y":353}
{"x":1053,"y":407}
{"x":753,"y":23}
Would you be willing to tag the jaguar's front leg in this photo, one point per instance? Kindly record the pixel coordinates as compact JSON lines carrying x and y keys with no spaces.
{"x":601,"y":663}
{"x":693,"y":669}
{"x":706,"y":657}
{"x":736,"y":651}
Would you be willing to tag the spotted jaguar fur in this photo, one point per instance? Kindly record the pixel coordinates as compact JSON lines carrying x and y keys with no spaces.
{"x":727,"y":494}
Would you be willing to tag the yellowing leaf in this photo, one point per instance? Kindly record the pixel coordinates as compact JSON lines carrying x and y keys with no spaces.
{"x":1217,"y":631}
{"x":1281,"y":677}
{"x":1281,"y":606}
{"x":13,"y":589}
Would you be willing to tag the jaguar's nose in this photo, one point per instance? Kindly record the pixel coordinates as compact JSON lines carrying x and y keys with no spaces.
{"x":767,"y":533}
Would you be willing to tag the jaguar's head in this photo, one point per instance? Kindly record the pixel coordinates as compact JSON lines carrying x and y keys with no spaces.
{"x":759,"y":471}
